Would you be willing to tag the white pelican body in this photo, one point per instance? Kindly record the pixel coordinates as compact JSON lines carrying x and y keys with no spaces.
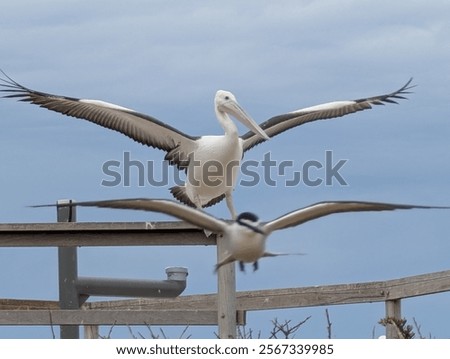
{"x":214,"y":161}
{"x":213,"y":170}
{"x":181,"y":149}
{"x":246,"y":236}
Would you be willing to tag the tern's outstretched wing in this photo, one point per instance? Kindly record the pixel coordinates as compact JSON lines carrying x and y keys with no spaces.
{"x":194,"y":216}
{"x":322,"y":209}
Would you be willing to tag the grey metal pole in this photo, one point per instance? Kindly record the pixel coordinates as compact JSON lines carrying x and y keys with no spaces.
{"x":172,"y":287}
{"x":68,"y":272}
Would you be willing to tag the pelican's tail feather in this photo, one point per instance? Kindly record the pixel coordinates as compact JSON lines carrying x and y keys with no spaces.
{"x":179,"y":192}
{"x":215,"y":201}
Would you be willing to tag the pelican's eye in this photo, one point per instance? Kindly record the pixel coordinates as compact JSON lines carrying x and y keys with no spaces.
{"x":227,"y":98}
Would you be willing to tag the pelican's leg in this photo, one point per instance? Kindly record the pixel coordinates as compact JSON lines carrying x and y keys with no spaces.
{"x":198,"y":204}
{"x":230,"y":205}
{"x":242,"y":266}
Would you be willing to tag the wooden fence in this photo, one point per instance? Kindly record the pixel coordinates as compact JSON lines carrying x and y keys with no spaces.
{"x":227,"y":308}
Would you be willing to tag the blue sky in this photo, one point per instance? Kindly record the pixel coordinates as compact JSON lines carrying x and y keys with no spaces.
{"x":167,"y":59}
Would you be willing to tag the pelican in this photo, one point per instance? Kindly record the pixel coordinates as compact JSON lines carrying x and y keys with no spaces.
{"x":246,"y":236}
{"x":192,"y":153}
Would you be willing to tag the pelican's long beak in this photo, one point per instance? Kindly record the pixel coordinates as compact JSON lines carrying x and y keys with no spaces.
{"x":233,"y":109}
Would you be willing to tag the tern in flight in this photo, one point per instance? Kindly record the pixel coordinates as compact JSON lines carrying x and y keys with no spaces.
{"x":192,"y":153}
{"x":246,"y":236}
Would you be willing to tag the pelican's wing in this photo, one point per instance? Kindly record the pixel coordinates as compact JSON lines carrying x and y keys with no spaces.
{"x":322,"y":209}
{"x":281,"y":123}
{"x":139,"y":127}
{"x":191,"y":215}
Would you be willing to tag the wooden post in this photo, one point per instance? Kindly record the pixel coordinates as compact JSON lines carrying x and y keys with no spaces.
{"x":68,"y":272}
{"x":393,"y":310}
{"x":226,"y":294}
{"x":91,"y":332}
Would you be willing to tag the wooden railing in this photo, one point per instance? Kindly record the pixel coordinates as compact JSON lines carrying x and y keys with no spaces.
{"x":185,"y":310}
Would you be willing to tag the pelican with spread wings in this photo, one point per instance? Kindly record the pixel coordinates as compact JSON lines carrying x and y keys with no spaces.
{"x":194,"y":153}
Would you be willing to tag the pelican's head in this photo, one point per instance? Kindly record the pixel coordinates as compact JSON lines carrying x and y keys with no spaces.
{"x":249,"y":220}
{"x":226,"y":102}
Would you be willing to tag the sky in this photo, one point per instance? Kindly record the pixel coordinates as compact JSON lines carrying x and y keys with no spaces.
{"x":167,"y":59}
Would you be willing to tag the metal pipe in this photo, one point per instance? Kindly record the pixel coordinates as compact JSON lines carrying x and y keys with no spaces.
{"x":109,"y":287}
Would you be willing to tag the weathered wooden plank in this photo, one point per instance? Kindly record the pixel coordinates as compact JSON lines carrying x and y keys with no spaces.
{"x":187,"y":302}
{"x":110,"y":317}
{"x":103,"y":226}
{"x":418,"y":285}
{"x":17,"y":304}
{"x":301,"y":297}
{"x":347,"y":293}
{"x":102,"y":234}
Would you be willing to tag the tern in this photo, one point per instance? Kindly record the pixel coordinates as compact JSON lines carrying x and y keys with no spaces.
{"x":246,"y":236}
{"x":196,"y":154}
